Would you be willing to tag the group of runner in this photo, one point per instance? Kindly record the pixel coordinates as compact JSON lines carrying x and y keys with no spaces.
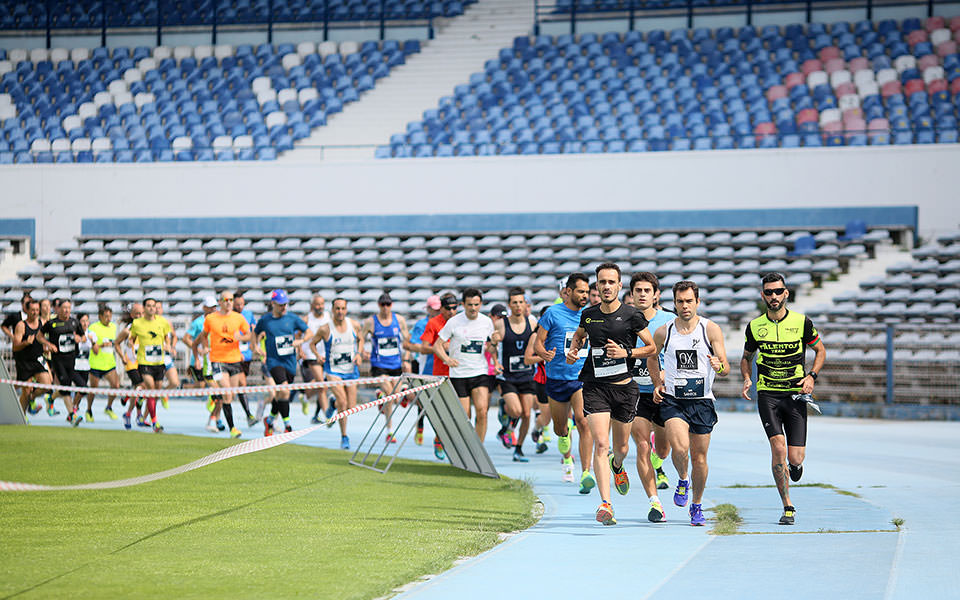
{"x":614,"y":366}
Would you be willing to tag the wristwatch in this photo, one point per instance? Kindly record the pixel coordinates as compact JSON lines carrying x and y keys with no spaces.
{"x":813,"y":374}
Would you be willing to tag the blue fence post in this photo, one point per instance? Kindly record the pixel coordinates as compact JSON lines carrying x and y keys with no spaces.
{"x":890,"y":385}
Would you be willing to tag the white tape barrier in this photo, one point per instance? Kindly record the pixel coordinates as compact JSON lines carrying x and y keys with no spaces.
{"x":236,"y":450}
{"x":189,"y":393}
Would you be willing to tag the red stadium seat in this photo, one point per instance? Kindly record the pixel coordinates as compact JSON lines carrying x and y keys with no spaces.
{"x":810,"y":115}
{"x":913,"y":86}
{"x":891,"y":88}
{"x":845,"y":89}
{"x":879,"y":125}
{"x":916,"y":36}
{"x":934,"y":23}
{"x":794,"y":79}
{"x":928,"y":60}
{"x":811,"y":65}
{"x":775,"y":92}
{"x":859,"y":63}
{"x":955,"y":24}
{"x":829,"y":52}
{"x":955,"y":86}
{"x":937,"y":85}
{"x":947,"y":48}
{"x":833,"y":65}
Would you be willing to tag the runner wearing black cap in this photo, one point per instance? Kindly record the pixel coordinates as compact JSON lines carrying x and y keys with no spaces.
{"x":390,"y":339}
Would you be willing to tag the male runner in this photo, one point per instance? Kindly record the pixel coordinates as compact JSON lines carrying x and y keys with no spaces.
{"x":609,"y":392}
{"x":63,"y":332}
{"x":152,"y":335}
{"x":468,"y":333}
{"x":282,"y":334}
{"x":103,"y":360}
{"x":81,"y":364}
{"x":424,"y":362}
{"x":781,"y":336}
{"x":239,"y":305}
{"x":341,"y":359}
{"x":516,"y":380}
{"x":128,"y":354}
{"x":564,"y":388}
{"x":11,"y":319}
{"x":390,"y":338}
{"x":200,"y":368}
{"x":594,"y":294}
{"x":646,"y":297}
{"x":225,"y":329}
{"x":28,"y":347}
{"x":448,"y":308}
{"x":693,"y":354}
{"x":310,"y":368}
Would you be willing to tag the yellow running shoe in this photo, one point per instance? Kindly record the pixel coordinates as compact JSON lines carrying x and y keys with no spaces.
{"x":587,"y":482}
{"x":109,"y":412}
{"x":563,"y":443}
{"x":235,"y":433}
{"x":165,"y":402}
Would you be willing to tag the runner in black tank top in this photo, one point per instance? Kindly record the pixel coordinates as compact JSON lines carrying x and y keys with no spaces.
{"x":516,"y":381}
{"x":28,"y":355}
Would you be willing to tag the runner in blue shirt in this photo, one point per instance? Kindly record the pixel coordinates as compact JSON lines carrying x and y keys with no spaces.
{"x":283,"y":333}
{"x":554,"y":334}
{"x":200,"y":365}
{"x":390,"y":340}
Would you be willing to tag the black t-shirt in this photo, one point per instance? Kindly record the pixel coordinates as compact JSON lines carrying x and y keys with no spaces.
{"x":622,"y":326}
{"x":60,"y":333}
{"x":11,"y":319}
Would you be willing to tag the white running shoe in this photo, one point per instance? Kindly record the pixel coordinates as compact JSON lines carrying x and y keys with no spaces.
{"x":568,"y":471}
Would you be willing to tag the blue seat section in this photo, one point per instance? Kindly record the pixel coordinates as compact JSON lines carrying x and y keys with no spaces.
{"x":702,"y":89}
{"x":108,"y":107}
{"x":83,"y":14}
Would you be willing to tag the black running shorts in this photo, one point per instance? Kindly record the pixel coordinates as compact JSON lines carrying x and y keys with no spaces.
{"x":698,"y":413}
{"x":64,"y":372}
{"x":280,"y":374}
{"x":541,"y":392}
{"x":157,"y":372}
{"x":782,"y":415}
{"x":381,"y":372}
{"x":27,"y":369}
{"x":517,"y":387}
{"x":465,"y":385}
{"x":648,"y":409}
{"x":134,"y":376}
{"x":618,"y":400}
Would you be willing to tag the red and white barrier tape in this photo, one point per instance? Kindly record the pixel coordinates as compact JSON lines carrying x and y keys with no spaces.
{"x":189,"y":393}
{"x":236,"y":450}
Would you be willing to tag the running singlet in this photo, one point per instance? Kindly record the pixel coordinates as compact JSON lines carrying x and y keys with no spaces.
{"x":781,"y":345}
{"x":150,"y":336}
{"x":426,"y":360}
{"x":105,"y":359}
{"x":387,"y":345}
{"x":33,"y":352}
{"x":245,"y":351}
{"x":341,"y":349}
{"x":278,"y":342}
{"x":223,"y":330}
{"x":60,"y":333}
{"x":82,"y":362}
{"x":620,"y":327}
{"x":468,"y":337}
{"x":512,"y":349}
{"x":561,"y":323}
{"x":314,"y":324}
{"x":640,"y":372}
{"x":687,"y":370}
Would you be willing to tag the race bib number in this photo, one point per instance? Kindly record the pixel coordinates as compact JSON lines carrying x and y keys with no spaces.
{"x":688,"y":388}
{"x":641,"y":374}
{"x":284,"y":345}
{"x":153,"y":353}
{"x":244,"y":347}
{"x":568,"y":341}
{"x":607,"y":367}
{"x":67,"y":344}
{"x":342,"y":359}
{"x":517,"y":365}
{"x":472,"y":347}
{"x":82,"y":363}
{"x":388,"y":346}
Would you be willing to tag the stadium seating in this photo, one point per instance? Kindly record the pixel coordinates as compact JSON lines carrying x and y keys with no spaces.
{"x":84,"y":14}
{"x":179,"y":271}
{"x":184,"y":103}
{"x":844,"y":84}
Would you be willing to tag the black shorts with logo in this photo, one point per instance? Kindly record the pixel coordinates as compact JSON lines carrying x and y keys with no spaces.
{"x":465,"y":385}
{"x":620,"y":400}
{"x":517,"y":387}
{"x":648,"y":409}
{"x":780,"y":414}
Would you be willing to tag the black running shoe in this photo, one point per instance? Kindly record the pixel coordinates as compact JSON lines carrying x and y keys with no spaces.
{"x":789,"y":513}
{"x":796,"y":472}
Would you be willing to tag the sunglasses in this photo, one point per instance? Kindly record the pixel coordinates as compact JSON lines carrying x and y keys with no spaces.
{"x":774,"y":291}
{"x":386,"y":303}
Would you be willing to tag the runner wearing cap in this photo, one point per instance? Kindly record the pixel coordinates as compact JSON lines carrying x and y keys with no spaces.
{"x":281,"y":333}
{"x":390,"y":340}
{"x":341,"y":359}
{"x":423,"y":361}
{"x":310,"y":368}
{"x":516,"y":380}
{"x":200,"y":364}
{"x":448,"y":308}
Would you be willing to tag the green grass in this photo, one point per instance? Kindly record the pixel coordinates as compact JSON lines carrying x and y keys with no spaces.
{"x":292,"y":521}
{"x":727,"y":519}
{"x":826,"y":486}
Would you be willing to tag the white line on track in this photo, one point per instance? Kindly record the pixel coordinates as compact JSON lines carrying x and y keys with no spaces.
{"x":679,"y":567}
{"x":895,"y":567}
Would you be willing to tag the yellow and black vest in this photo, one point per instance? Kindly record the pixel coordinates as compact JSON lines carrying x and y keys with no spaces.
{"x":780,"y":350}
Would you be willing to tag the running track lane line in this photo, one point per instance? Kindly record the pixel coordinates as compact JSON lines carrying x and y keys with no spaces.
{"x":895,"y":567}
{"x":678,"y":568}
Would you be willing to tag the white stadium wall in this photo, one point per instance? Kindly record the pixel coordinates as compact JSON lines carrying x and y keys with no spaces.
{"x":58,"y":197}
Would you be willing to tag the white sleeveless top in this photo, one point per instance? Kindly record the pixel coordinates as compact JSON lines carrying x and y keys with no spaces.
{"x":342,"y":349}
{"x":314,"y":324}
{"x":687,"y":370}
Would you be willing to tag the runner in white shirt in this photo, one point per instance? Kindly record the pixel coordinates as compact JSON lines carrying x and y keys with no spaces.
{"x":469,"y":334}
{"x":311,"y":369}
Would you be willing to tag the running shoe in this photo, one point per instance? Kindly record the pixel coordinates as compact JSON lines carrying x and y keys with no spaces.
{"x":235,"y":433}
{"x":605,"y":514}
{"x":251,"y":420}
{"x":587,"y":482}
{"x":662,"y":482}
{"x":211,"y":427}
{"x":682,"y":493}
{"x":210,"y":404}
{"x":34,"y":407}
{"x":563,"y":443}
{"x":126,"y":421}
{"x":655,"y":460}
{"x":535,"y":436}
{"x":287,"y":428}
{"x":304,"y":405}
{"x":331,"y":406}
{"x":502,"y":416}
{"x":438,"y":449}
{"x":418,"y":437}
{"x":656,"y":514}
{"x":542,"y":447}
{"x":620,"y":479}
{"x":506,"y":438}
{"x":141,"y":422}
{"x":518,"y":455}
{"x":789,"y":514}
{"x":315,"y":420}
{"x":547,"y":435}
{"x":567,"y":467}
{"x":344,"y":443}
{"x":157,"y":428}
{"x":77,"y":419}
{"x":221,"y":426}
{"x":696,"y":515}
{"x":571,"y":425}
{"x":796,"y":472}
{"x":267,"y":426}
{"x":89,"y":417}
{"x":391,"y":439}
{"x":52,"y":411}
{"x":165,"y":401}
{"x":109,"y":412}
